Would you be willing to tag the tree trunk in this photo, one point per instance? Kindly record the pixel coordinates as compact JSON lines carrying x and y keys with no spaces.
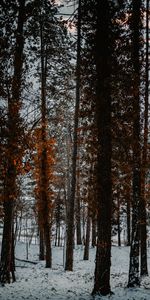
{"x":78,"y":207}
{"x":41,"y":244}
{"x":12,"y":267}
{"x":7,"y":244}
{"x":103,"y":114}
{"x":128,"y":223}
{"x":7,"y":264}
{"x":143,"y":233}
{"x":143,"y":230}
{"x":118,"y":222}
{"x":44,"y":197}
{"x":78,"y":216}
{"x":47,"y":238}
{"x":87,"y":240}
{"x":83,"y":223}
{"x":134,"y":251}
{"x":20,"y":226}
{"x":93,"y":231}
{"x":71,"y":204}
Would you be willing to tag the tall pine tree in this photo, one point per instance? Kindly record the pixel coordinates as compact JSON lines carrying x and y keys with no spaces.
{"x":7,"y":266}
{"x":103,"y":121}
{"x":136,"y":181}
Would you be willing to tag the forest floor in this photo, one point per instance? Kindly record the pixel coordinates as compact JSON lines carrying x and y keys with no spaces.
{"x":35,"y":282}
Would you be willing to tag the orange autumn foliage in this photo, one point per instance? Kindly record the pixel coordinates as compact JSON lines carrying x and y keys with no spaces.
{"x":49,"y":147}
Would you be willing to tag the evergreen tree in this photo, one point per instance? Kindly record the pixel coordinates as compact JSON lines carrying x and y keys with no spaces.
{"x":136,"y":201}
{"x":71,"y":202}
{"x":103,"y":121}
{"x":143,"y":221}
{"x":7,"y":266}
{"x":47,"y":40}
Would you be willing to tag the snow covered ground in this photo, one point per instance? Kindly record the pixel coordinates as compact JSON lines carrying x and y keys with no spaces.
{"x":34,"y":281}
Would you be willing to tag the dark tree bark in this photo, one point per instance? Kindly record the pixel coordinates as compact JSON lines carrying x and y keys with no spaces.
{"x":6,"y":272}
{"x":87,"y":240}
{"x":136,"y":184}
{"x":7,"y":264}
{"x":44,"y":197}
{"x":93,"y":231}
{"x":128,"y":222}
{"x":12,"y":267}
{"x":58,"y":218}
{"x":118,"y":222}
{"x":78,"y":220}
{"x":103,"y":114}
{"x":78,"y":214}
{"x":71,"y":204}
{"x":143,"y":230}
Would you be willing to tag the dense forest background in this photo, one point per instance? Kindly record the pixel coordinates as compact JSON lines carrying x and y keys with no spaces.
{"x":74,"y":132}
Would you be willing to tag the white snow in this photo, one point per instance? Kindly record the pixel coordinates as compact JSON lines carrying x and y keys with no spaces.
{"x":34,"y":281}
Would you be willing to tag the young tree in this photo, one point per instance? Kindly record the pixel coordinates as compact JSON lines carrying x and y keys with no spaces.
{"x":44,"y":158}
{"x":71,"y":200}
{"x":43,"y":190}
